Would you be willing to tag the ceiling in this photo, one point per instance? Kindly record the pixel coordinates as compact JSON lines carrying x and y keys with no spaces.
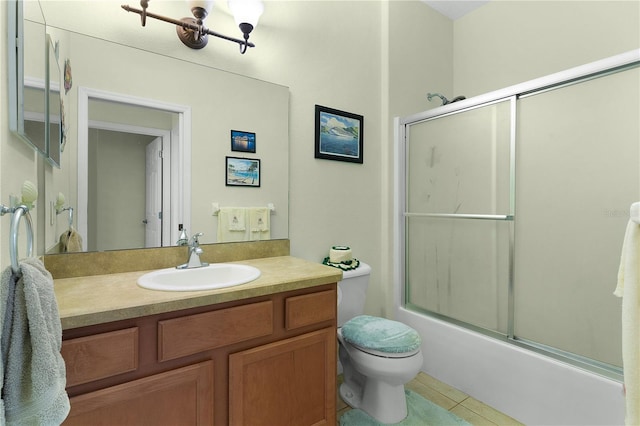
{"x":455,"y":9}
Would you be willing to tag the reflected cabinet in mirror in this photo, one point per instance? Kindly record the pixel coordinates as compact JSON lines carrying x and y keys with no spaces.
{"x":147,"y":151}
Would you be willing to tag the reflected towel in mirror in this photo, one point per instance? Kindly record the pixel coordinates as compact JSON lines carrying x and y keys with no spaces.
{"x":70,"y":241}
{"x":259,"y":223}
{"x":231,"y":225}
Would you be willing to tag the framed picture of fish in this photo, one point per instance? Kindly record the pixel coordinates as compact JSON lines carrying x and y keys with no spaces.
{"x":338,"y":135}
{"x":242,"y":171}
{"x":243,"y":141}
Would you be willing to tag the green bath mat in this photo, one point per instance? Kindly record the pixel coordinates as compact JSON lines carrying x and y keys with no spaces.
{"x":421,"y":413}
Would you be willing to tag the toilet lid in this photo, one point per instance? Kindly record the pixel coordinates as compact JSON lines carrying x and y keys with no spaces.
{"x":381,"y":335}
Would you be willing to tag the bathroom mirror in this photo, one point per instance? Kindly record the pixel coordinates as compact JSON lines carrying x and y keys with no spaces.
{"x":27,"y":73}
{"x":119,"y":91}
{"x":34,"y":76}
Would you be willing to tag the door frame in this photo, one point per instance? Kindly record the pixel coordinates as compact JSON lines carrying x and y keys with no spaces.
{"x":155,"y":172}
{"x":178,"y":204}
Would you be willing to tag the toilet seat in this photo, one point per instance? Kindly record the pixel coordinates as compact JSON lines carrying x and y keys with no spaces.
{"x":385,"y":354}
{"x":381,"y":337}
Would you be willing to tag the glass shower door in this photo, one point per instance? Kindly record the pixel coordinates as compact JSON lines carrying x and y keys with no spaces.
{"x":458,"y":215}
{"x":577,"y":162}
{"x":515,"y":212}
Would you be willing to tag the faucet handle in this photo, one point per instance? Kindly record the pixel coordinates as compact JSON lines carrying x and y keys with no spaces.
{"x":194,"y":238}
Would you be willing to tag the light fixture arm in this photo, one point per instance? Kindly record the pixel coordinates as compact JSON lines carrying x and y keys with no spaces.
{"x":199,"y":29}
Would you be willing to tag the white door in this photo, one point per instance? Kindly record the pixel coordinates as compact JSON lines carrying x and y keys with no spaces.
{"x":153,"y":210}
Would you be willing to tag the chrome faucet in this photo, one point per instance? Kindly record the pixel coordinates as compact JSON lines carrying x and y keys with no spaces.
{"x":194,"y":254}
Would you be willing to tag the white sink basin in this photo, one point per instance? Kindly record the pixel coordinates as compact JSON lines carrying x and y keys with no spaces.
{"x":217,"y":275}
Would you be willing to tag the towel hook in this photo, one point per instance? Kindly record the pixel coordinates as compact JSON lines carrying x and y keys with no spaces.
{"x":17,"y":214}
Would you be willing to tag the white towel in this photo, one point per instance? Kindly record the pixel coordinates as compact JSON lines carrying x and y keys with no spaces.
{"x":260,"y":223}
{"x":32,"y":368}
{"x":231,"y":224}
{"x":628,"y":289}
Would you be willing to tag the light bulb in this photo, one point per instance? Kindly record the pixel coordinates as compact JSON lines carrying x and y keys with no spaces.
{"x":246,"y":11}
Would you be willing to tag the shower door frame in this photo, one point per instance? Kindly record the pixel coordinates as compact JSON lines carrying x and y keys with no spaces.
{"x":512,"y":94}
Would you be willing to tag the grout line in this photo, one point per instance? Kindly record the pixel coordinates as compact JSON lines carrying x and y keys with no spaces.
{"x":452,"y":408}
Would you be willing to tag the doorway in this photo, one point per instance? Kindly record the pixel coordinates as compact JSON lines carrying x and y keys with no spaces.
{"x":114,"y":130}
{"x":126,"y":168}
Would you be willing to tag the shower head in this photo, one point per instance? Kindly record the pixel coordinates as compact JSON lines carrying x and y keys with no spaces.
{"x":444,"y":100}
{"x":433,"y":95}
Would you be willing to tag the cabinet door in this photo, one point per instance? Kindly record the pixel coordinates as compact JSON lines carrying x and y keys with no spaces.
{"x":290,"y":382}
{"x":179,"y":397}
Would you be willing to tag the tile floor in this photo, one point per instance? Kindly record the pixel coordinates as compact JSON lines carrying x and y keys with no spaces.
{"x":459,"y":403}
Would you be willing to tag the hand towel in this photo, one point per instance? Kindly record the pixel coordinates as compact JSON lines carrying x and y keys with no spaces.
{"x":236,"y":218}
{"x":259,"y":223}
{"x":231,"y":224}
{"x":628,"y":289}
{"x":32,"y":368}
{"x":70,"y":241}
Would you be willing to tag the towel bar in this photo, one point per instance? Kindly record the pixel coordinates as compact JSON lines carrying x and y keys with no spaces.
{"x":17,"y":214}
{"x":215,"y":207}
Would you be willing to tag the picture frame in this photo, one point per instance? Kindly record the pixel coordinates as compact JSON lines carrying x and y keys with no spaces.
{"x":242,"y":172}
{"x":339,"y":135}
{"x":243,"y":141}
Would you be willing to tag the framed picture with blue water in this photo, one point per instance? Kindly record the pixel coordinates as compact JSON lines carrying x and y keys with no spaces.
{"x":242,"y":171}
{"x":243,"y":141}
{"x":338,"y":135}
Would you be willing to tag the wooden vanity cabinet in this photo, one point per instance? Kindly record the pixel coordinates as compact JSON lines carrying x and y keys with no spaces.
{"x":267,"y":360}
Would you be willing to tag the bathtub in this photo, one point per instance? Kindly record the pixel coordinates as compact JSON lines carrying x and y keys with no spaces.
{"x":531,"y":388}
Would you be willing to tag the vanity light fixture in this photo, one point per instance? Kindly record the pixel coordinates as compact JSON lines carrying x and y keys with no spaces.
{"x":193,"y":33}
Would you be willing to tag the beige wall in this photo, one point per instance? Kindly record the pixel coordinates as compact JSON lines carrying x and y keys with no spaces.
{"x":509,"y":42}
{"x":17,"y":160}
{"x":372,"y":58}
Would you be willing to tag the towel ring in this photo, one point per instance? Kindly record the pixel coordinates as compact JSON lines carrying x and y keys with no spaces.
{"x":18,"y":213}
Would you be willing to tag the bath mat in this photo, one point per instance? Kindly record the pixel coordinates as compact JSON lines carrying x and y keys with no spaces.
{"x":421,"y":413}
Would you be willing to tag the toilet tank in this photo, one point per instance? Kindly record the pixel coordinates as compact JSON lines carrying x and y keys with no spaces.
{"x":352,"y":292}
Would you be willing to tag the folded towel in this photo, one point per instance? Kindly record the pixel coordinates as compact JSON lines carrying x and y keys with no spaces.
{"x":628,"y":289}
{"x":70,"y":241}
{"x":231,"y":224}
{"x":235,"y":219}
{"x":259,"y":223}
{"x":32,"y":369}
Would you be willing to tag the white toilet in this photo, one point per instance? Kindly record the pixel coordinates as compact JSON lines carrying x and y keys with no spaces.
{"x":378,"y":356}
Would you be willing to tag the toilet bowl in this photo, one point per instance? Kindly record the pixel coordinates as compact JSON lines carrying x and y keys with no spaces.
{"x":375,"y":383}
{"x":378,"y":356}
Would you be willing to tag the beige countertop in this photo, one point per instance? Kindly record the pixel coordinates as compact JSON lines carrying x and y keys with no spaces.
{"x":97,"y":299}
